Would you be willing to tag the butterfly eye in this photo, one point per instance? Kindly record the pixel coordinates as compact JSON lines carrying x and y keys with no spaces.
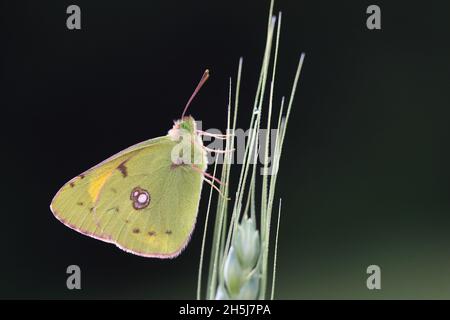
{"x":140,"y":198}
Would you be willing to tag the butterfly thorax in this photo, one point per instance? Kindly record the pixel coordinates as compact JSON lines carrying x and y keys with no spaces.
{"x":189,"y":149}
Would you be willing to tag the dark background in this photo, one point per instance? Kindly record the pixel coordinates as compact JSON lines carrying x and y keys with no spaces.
{"x":364,"y":177}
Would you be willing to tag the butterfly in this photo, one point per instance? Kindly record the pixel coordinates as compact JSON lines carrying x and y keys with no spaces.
{"x":145,"y":198}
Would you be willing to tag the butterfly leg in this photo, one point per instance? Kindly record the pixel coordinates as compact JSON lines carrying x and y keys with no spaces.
{"x":206,"y":174}
{"x":217,"y":151}
{"x":210,"y":182}
{"x":214,"y":135}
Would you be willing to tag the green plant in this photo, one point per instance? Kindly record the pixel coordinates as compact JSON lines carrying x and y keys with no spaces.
{"x":239,"y":260}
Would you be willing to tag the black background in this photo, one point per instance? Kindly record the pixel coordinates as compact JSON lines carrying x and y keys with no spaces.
{"x":364,"y":177}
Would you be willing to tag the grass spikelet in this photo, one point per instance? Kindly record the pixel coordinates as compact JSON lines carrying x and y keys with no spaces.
{"x":239,"y":259}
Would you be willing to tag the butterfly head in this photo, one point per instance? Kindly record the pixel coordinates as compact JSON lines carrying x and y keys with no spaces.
{"x":181,"y":127}
{"x":188,"y":124}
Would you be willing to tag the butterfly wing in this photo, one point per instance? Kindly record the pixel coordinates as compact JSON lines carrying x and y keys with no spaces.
{"x":137,"y":199}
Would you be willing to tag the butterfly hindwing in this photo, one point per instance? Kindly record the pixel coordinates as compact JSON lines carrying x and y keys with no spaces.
{"x":137,"y":199}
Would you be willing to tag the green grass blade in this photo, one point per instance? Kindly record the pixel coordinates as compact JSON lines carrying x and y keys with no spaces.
{"x":275,"y":253}
{"x":205,"y":231}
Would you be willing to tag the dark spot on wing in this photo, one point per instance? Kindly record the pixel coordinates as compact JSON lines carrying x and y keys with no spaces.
{"x":91,"y":209}
{"x":81,"y":176}
{"x":80,"y":203}
{"x":151,"y":233}
{"x":168,"y":231}
{"x":140,"y":198}
{"x":136,"y":230}
{"x":123,"y":169}
{"x":72,"y":184}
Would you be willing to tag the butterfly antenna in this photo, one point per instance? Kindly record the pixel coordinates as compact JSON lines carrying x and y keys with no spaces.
{"x":197,"y":89}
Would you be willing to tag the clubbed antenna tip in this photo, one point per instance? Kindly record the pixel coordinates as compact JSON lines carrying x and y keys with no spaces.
{"x":197,"y":89}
